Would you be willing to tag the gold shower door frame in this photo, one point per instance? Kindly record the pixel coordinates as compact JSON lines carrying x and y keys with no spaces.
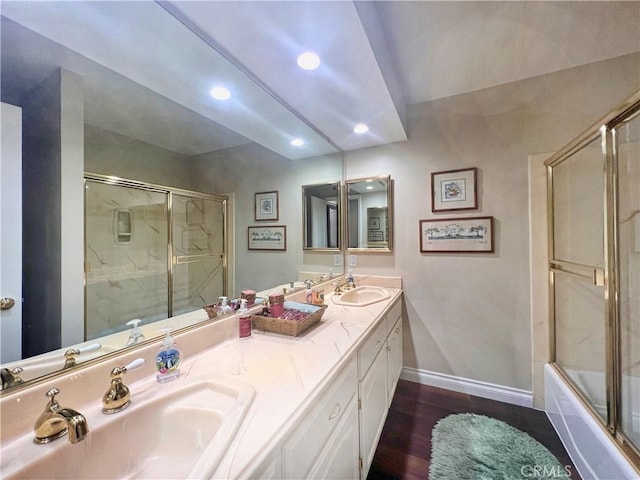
{"x":174,"y":256}
{"x":607,"y":277}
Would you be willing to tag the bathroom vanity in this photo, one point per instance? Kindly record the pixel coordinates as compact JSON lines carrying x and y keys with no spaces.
{"x":311,"y":406}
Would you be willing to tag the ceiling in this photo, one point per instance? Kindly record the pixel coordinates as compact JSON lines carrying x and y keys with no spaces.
{"x":376,"y":59}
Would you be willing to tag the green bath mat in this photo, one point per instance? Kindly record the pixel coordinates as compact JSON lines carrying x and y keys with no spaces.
{"x":466,"y":446}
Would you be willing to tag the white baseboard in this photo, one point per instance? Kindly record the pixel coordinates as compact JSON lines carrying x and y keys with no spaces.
{"x":514,"y":396}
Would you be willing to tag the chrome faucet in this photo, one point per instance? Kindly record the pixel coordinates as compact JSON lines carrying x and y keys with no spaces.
{"x":55,"y":422}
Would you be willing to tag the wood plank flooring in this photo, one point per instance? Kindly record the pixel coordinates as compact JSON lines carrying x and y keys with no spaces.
{"x":404,"y":449}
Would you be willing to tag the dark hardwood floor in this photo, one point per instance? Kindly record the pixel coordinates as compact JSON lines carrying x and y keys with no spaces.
{"x":404,"y":450}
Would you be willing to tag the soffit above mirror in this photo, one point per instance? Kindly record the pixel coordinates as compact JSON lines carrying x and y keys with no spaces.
{"x":129,"y":50}
{"x":353,"y":83}
{"x":376,"y":56}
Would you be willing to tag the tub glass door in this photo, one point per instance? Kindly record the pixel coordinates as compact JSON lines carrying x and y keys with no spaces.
{"x":578,"y":186}
{"x":628,"y":219}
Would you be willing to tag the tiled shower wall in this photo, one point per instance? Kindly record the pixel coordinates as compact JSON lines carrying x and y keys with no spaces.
{"x":127,"y":263}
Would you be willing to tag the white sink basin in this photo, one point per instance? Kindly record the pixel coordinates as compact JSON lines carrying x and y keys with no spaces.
{"x":182,"y":434}
{"x":361,"y":296}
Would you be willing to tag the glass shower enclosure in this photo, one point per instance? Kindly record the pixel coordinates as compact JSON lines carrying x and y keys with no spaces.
{"x":151,"y":252}
{"x":594,"y":271}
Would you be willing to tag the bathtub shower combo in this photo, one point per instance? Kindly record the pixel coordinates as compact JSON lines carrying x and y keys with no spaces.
{"x":592,"y":385}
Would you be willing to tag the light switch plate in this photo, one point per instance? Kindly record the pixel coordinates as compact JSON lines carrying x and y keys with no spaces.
{"x":353,"y":260}
{"x":337,"y":261}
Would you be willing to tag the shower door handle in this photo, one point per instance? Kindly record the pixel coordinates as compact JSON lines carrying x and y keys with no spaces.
{"x":595,"y":275}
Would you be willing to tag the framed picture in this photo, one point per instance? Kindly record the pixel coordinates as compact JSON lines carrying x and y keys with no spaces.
{"x":454,"y":190}
{"x":375,"y":236}
{"x":266,"y":206}
{"x":273,"y":237}
{"x":456,"y":235}
{"x":373,"y":223}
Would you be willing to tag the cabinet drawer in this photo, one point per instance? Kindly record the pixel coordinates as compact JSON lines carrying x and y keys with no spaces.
{"x":308,"y":439}
{"x":371,"y":347}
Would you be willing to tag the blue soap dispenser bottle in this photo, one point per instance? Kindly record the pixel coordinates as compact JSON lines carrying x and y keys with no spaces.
{"x":168,"y":359}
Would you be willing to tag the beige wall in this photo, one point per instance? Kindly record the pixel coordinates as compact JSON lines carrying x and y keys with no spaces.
{"x":469,"y":315}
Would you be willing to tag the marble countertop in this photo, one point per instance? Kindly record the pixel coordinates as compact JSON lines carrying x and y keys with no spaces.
{"x":287,"y":374}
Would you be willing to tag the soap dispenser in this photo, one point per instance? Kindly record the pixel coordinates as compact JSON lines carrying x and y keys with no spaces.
{"x":244,"y":321}
{"x":350,"y":280}
{"x":168,"y":359}
{"x":224,"y":306}
{"x":136,"y":334}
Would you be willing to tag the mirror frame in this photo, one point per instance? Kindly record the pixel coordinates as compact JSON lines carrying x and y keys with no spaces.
{"x":345,"y":209}
{"x":338,"y":186}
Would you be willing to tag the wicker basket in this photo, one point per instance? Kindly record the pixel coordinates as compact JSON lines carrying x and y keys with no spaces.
{"x":212,"y":310}
{"x":292,"y":328}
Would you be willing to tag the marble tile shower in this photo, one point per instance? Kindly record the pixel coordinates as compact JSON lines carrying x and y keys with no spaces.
{"x":127,"y":252}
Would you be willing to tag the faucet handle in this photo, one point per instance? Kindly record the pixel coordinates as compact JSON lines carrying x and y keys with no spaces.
{"x":71,"y":354}
{"x":11,"y":377}
{"x":118,"y":396}
{"x":52,"y":406}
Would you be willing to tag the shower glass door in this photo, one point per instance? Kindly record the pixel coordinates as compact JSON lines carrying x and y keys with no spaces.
{"x":628,"y":221}
{"x":594,"y":267}
{"x":198,"y":273}
{"x":577,"y":268}
{"x":126,"y":258}
{"x":151,"y":252}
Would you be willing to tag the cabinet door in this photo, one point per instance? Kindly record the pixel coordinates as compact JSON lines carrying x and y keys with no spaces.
{"x":270,"y":469}
{"x":340,"y":459}
{"x":302,"y":449}
{"x":394,"y":356}
{"x":373,"y":409}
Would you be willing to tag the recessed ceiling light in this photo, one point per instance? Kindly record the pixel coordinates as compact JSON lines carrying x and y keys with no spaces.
{"x":368,"y":187}
{"x":220,"y":93}
{"x":308,"y":61}
{"x":361,"y":128}
{"x":297,"y":142}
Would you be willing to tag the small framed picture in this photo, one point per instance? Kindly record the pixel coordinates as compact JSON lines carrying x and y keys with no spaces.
{"x":456,"y":235}
{"x":266,"y":206}
{"x":375,"y":236}
{"x":273,"y":237}
{"x":454,"y":190}
{"x":373,"y":223}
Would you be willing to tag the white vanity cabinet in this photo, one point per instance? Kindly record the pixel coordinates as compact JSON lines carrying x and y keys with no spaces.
{"x":379,"y":365}
{"x":337,"y":436}
{"x":394,"y":356}
{"x":325,"y":443}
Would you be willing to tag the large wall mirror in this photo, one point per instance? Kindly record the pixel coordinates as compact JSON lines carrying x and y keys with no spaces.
{"x":369,"y":214}
{"x":139,"y":113}
{"x":321,"y":216}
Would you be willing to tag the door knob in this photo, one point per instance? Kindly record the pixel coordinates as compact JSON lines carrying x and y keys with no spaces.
{"x":6,"y":303}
